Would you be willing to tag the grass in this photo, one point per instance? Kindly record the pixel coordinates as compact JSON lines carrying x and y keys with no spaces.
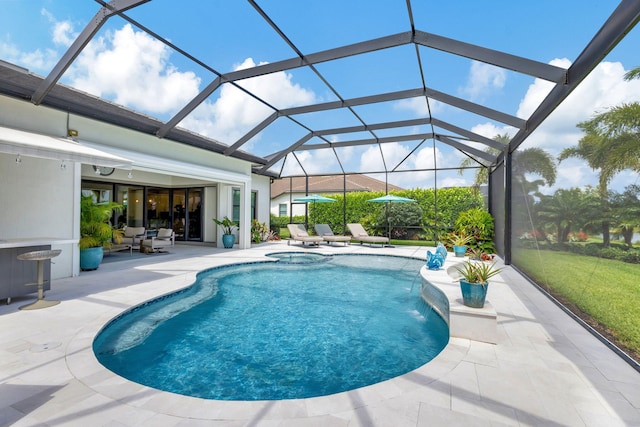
{"x":607,"y":291}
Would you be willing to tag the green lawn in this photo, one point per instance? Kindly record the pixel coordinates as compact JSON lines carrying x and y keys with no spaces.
{"x":606,"y":290}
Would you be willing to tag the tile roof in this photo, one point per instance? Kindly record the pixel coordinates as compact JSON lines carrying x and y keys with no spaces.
{"x":329,"y":184}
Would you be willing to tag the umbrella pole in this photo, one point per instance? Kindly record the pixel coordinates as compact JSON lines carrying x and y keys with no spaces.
{"x":388,"y":245}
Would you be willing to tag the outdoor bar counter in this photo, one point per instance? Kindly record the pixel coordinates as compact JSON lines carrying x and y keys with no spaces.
{"x":18,"y":277}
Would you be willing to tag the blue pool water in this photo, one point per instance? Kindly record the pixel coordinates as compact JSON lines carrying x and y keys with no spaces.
{"x":278,"y":330}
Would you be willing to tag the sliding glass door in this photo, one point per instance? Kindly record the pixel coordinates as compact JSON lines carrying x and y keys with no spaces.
{"x":187,"y":214}
{"x":153,"y":208}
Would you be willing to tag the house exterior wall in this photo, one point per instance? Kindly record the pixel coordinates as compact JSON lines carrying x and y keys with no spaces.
{"x":39,"y":199}
{"x":298,"y":208}
{"x":262,"y":184}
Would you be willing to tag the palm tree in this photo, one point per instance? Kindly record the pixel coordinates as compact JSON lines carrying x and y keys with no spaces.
{"x":527,"y":161}
{"x":626,"y":212}
{"x":482,"y":173}
{"x":632,"y":74}
{"x":611,"y":144}
{"x":566,"y":209}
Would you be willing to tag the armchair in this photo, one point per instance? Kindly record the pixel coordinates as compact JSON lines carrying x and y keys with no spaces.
{"x":133,"y":235}
{"x":164,"y":239}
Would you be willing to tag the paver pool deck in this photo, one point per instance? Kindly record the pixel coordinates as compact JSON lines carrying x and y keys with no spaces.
{"x":545,"y":370}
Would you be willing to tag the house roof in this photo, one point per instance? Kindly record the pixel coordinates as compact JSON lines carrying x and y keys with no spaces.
{"x":329,"y":184}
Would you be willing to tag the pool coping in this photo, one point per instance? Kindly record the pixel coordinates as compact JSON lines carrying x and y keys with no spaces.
{"x":544,"y":370}
{"x":85,"y":367}
{"x":441,"y":290}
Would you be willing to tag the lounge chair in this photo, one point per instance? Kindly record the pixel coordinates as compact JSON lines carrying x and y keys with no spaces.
{"x":299,"y":232}
{"x":360,"y":234}
{"x":163,"y":240}
{"x":324,"y":231}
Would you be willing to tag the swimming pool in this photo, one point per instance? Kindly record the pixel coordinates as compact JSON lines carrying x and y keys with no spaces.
{"x":278,"y":330}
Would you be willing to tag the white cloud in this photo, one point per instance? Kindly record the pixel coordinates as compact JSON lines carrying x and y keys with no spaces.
{"x":419,"y":106}
{"x":449,"y":182}
{"x":63,"y":32}
{"x":394,"y":152}
{"x":234,"y":113}
{"x":291,"y":165}
{"x":483,"y":78}
{"x":38,"y":60}
{"x":133,"y":69}
{"x":602,"y":89}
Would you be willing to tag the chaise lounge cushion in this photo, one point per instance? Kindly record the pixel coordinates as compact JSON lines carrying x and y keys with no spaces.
{"x":327,"y":235}
{"x":360,"y":234}
{"x":299,"y":232}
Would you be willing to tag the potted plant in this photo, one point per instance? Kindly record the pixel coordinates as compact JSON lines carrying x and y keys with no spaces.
{"x":474,"y":281}
{"x":228,"y":227}
{"x":95,"y":231}
{"x":478,"y":224}
{"x":458,"y":241}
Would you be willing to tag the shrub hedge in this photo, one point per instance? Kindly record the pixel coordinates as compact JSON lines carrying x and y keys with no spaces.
{"x":433,"y":215}
{"x":616,"y":251}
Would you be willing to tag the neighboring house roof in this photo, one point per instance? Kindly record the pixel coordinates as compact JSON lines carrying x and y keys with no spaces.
{"x":328,"y":184}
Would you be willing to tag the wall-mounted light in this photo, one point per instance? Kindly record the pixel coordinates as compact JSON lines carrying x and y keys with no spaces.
{"x":130,"y":175}
{"x":72,"y":133}
{"x":63,"y":166}
{"x":18,"y":160}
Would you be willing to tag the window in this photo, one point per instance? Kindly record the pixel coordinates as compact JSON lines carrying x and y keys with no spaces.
{"x":282,"y":209}
{"x":254,"y":197}
{"x":236,"y":205}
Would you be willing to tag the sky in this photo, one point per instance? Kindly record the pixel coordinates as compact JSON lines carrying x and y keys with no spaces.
{"x":127,"y":66}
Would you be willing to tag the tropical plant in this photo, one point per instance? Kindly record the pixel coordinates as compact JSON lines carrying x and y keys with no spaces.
{"x":478,"y":224}
{"x":632,"y":74}
{"x":625,"y":212}
{"x":228,"y":226}
{"x":566,"y":209}
{"x":457,"y":239}
{"x":478,"y":272}
{"x":95,"y":229}
{"x":611,"y":144}
{"x":403,"y":219}
{"x":526,"y":161}
{"x":258,"y":231}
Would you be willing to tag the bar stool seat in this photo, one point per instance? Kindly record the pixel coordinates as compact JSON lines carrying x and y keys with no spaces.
{"x":40,"y":257}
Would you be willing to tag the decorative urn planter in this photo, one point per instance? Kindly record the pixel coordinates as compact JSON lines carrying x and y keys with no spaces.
{"x":473,"y":294}
{"x":228,"y":226}
{"x":474,"y":281}
{"x":91,"y":258}
{"x":228,"y":240}
{"x":459,"y":251}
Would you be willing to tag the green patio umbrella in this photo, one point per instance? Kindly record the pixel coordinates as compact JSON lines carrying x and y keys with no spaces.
{"x":390,"y":198}
{"x":314,"y":198}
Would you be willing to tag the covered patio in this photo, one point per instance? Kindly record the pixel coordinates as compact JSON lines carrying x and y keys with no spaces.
{"x":544,"y":370}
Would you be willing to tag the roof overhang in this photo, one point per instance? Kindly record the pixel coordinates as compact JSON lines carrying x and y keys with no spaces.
{"x":19,"y":142}
{"x":164,"y":166}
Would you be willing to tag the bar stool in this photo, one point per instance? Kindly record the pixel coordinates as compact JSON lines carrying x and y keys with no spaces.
{"x":41,"y":257}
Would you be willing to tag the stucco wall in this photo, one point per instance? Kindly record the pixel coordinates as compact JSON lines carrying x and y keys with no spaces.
{"x":39,"y":199}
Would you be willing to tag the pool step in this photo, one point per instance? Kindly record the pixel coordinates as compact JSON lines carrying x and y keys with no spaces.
{"x":443,"y":293}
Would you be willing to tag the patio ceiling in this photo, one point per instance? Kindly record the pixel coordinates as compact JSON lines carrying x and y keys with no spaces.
{"x":359,"y":80}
